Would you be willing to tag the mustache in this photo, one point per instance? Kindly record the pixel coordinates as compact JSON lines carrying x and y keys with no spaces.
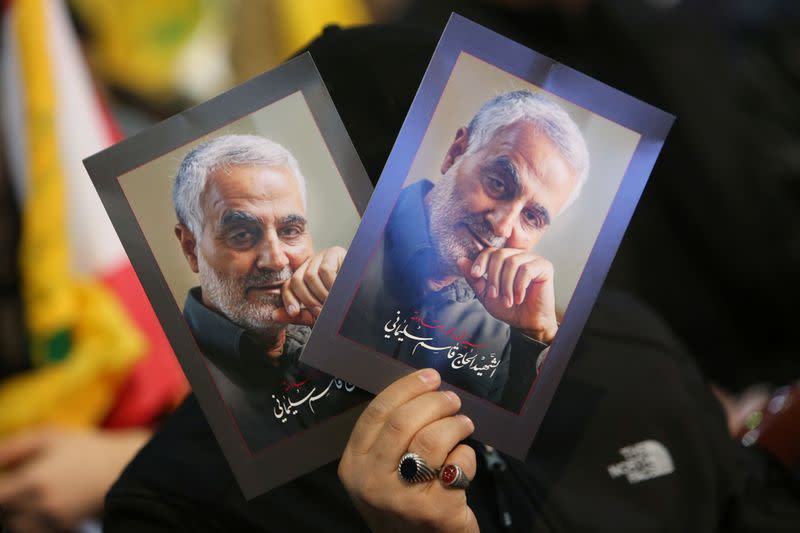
{"x":261,"y":278}
{"x":481,"y":227}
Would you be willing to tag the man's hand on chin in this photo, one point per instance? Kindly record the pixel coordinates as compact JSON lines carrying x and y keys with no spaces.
{"x":304,"y":293}
{"x":516,"y":287}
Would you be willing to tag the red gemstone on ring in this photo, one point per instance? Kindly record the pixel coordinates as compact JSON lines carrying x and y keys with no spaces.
{"x":449,"y":474}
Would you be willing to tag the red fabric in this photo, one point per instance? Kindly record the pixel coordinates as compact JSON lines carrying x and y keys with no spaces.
{"x":157,"y":383}
{"x":113,"y":132}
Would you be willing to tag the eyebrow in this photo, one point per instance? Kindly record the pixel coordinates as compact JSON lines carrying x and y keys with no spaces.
{"x":542,"y":212}
{"x":294,"y":219}
{"x":507,"y":168}
{"x":231,"y":218}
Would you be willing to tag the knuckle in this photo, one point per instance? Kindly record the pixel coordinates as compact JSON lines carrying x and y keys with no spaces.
{"x":327,"y":269}
{"x":424,"y":444}
{"x":397,"y":425}
{"x":345,"y":473}
{"x":376,"y":411}
{"x":296,"y":282}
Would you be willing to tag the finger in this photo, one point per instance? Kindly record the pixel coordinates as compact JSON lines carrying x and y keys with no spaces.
{"x":303,"y":318}
{"x":464,"y":456}
{"x":291,"y":303}
{"x":302,"y":292}
{"x":479,"y":265}
{"x":15,"y":487}
{"x":493,"y":270}
{"x":407,"y":420}
{"x":511,"y":269}
{"x":331,"y":263}
{"x":312,"y":280}
{"x":380,"y":408}
{"x":521,"y":284}
{"x":21,"y":446}
{"x":539,"y":270}
{"x":435,"y":441}
{"x":478,"y":284}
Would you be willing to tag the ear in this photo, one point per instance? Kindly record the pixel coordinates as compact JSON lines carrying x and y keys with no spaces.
{"x":188,"y":245}
{"x":456,"y":149}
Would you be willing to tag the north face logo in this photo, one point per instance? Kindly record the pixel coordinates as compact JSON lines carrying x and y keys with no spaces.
{"x":644,"y":460}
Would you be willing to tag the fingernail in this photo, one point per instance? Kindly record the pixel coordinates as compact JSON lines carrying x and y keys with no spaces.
{"x":468,"y":421}
{"x":429,"y":376}
{"x":492,"y":291}
{"x":452,"y":396}
{"x":292,"y":309}
{"x":476,"y":270}
{"x":317,"y":310}
{"x":509,"y":302}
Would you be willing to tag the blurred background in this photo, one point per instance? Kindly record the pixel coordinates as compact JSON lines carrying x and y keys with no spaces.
{"x":85,"y":370}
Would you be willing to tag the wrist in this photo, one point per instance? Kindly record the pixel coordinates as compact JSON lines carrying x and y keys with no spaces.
{"x":544,"y":335}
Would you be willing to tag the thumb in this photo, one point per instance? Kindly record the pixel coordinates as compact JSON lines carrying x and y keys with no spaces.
{"x":478,"y":284}
{"x":303,"y":318}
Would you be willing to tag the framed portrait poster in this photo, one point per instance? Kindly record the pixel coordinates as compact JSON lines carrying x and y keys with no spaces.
{"x":490,"y":232}
{"x":236,"y":215}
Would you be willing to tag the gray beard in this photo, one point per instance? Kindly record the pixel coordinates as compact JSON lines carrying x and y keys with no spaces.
{"x":228,"y":295}
{"x":446,"y":212}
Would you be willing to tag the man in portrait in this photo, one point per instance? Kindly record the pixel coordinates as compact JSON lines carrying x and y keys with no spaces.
{"x":240,"y":201}
{"x":456,"y":283}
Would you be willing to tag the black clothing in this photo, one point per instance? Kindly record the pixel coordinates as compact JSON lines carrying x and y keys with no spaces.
{"x":714,"y":245}
{"x":629,"y":382}
{"x":394,"y":313}
{"x":263,"y":394}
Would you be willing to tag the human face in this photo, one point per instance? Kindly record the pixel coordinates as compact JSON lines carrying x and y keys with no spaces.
{"x":254,"y":236}
{"x":503,"y":195}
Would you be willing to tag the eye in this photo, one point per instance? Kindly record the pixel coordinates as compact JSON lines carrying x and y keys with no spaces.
{"x":532,"y":218}
{"x":495,"y":186}
{"x":241,"y":238}
{"x":291,"y":232}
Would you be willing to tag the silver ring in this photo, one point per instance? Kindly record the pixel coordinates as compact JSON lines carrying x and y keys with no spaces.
{"x":453,"y":477}
{"x":414,"y":469}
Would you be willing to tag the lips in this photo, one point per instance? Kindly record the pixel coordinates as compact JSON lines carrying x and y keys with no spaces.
{"x":479,"y":242}
{"x":274,"y":288}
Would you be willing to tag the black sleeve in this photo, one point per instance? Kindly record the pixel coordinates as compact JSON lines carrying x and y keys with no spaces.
{"x":522,"y":355}
{"x":131,"y":510}
{"x":180,"y":481}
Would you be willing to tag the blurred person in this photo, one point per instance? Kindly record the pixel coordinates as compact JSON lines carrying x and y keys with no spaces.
{"x":87,"y":370}
{"x":459,"y":252}
{"x":631,"y":403}
{"x":241,"y":205}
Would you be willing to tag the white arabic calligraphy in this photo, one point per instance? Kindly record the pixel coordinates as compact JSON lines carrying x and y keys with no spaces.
{"x":284,"y":406}
{"x":468,"y":358}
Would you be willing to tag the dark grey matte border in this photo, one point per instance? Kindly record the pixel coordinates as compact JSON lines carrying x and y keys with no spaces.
{"x":373,"y":371}
{"x":301,"y":452}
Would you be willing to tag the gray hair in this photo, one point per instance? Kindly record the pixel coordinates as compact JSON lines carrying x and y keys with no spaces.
{"x":547,"y":116}
{"x":224,"y":152}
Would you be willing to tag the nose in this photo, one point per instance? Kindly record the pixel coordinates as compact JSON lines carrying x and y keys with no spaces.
{"x":502,"y":218}
{"x":271,"y":255}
